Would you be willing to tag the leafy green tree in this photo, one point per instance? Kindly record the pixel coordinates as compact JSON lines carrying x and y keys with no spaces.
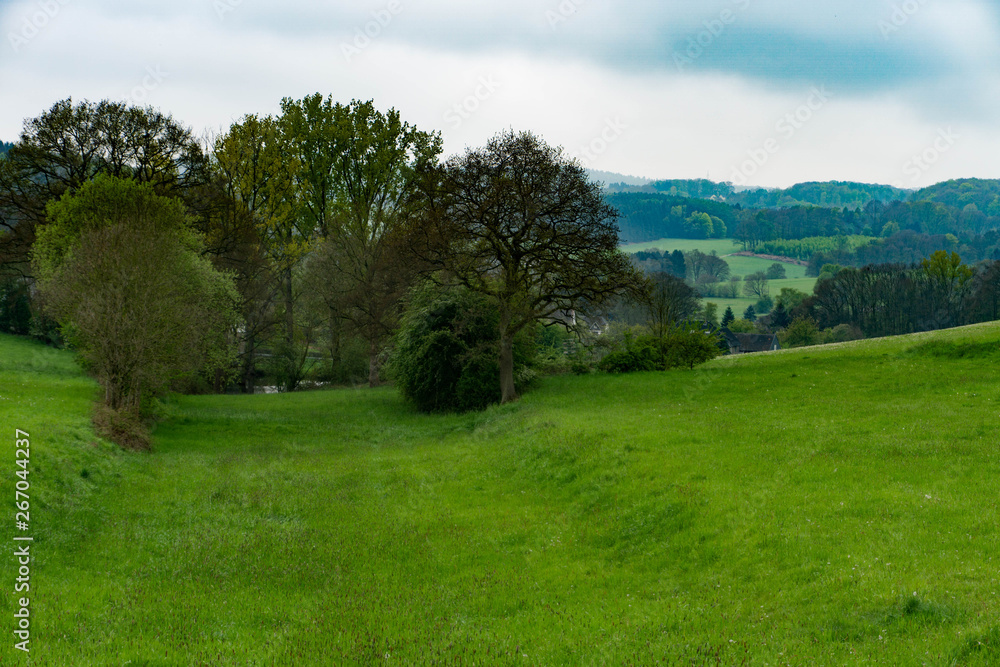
{"x":950,"y":277}
{"x":520,"y":222}
{"x":357,"y":180}
{"x":70,"y":144}
{"x":711,"y":313}
{"x":890,"y":228}
{"x":728,"y":317}
{"x":446,"y":352}
{"x":776,"y":272}
{"x":800,"y":333}
{"x":121,"y":269}
{"x":790,"y":298}
{"x":779,"y":317}
{"x":255,"y":170}
{"x":719,"y":230}
{"x":699,"y":226}
{"x":742,"y":325}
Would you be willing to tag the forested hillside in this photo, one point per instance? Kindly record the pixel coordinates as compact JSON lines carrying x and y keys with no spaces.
{"x":983,"y":194}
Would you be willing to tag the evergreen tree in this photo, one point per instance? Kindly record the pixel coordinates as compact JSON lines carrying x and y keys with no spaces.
{"x":728,"y":317}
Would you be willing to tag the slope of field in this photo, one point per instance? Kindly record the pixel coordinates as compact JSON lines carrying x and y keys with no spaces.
{"x":822,"y":506}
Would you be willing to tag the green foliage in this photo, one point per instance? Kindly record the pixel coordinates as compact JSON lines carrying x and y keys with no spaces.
{"x":805,"y":248}
{"x":763,"y":305}
{"x":790,"y":298}
{"x":699,"y":226}
{"x":728,"y":317}
{"x":750,"y":314}
{"x":776,"y":272}
{"x":682,"y":347}
{"x":446,"y":357}
{"x":742,"y":325}
{"x":121,"y":272}
{"x":711,"y":313}
{"x":800,"y":333}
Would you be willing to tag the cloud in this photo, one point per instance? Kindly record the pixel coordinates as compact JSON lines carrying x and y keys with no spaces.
{"x":570,"y":70}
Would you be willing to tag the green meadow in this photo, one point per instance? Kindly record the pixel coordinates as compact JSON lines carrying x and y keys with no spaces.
{"x":821,"y":506}
{"x":740,"y":266}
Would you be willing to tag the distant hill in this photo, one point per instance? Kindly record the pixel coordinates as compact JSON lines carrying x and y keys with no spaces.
{"x":960,"y":193}
{"x":611,"y":179}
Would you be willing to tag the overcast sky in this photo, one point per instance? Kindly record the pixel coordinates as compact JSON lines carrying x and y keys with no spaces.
{"x":758,"y":92}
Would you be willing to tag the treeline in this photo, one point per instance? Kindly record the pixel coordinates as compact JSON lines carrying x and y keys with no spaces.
{"x":4,"y":147}
{"x":959,"y":193}
{"x":644,"y":217}
{"x":907,"y":247}
{"x":830,"y":194}
{"x":895,"y":299}
{"x":291,"y":247}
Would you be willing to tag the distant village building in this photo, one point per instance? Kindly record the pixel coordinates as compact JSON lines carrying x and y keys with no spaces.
{"x":744,"y":343}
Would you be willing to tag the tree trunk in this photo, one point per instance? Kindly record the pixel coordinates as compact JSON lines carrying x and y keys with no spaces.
{"x":508,"y":392}
{"x":373,"y":363}
{"x":289,"y":309}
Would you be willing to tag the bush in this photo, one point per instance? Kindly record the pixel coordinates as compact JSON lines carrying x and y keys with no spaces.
{"x":800,"y":333}
{"x":684,"y":347}
{"x":446,"y":356}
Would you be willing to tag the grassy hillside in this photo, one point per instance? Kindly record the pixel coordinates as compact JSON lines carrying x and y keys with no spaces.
{"x":821,"y":506}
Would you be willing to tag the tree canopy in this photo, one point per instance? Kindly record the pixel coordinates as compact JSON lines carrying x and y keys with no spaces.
{"x":521,"y":223}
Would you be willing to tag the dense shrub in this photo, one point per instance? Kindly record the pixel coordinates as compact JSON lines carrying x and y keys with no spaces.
{"x":683,"y":347}
{"x":446,"y":355}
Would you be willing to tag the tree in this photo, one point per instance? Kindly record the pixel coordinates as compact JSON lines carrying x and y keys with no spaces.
{"x":750,"y":315}
{"x":755,"y":285}
{"x":121,"y":270}
{"x":446,"y":352}
{"x":70,"y":144}
{"x":669,"y":301}
{"x":521,"y":223}
{"x":776,"y":272}
{"x":949,"y":276}
{"x":255,"y":172}
{"x":357,"y":179}
{"x":699,"y":226}
{"x":801,"y":333}
{"x":728,"y":317}
{"x":780,"y":317}
{"x":711,"y":313}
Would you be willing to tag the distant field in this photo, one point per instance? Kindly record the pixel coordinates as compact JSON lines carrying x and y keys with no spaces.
{"x":740,"y":266}
{"x":822,"y":506}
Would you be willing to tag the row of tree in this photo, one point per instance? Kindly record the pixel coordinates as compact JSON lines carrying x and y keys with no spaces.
{"x":895,"y":299}
{"x":285,"y":235}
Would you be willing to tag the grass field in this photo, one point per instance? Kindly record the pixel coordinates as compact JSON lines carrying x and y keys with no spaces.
{"x":740,"y":266}
{"x":822,"y":506}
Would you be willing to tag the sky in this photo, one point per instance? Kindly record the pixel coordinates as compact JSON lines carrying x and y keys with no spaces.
{"x":755,"y":92}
